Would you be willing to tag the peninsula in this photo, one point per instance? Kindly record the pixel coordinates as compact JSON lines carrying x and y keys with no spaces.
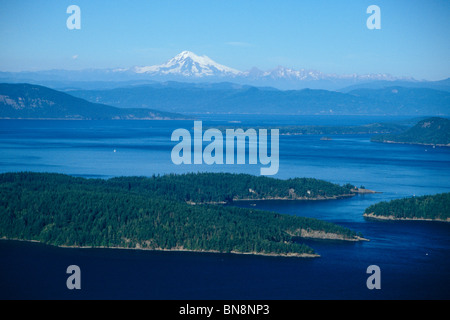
{"x":156,"y":213}
{"x":28,"y":101}
{"x":431,"y":131}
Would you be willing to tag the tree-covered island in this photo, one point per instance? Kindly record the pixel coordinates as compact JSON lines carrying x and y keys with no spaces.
{"x":158,"y":213}
{"x":428,"y":208}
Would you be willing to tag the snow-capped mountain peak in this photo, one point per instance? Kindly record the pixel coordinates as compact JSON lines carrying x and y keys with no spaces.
{"x":188,"y":64}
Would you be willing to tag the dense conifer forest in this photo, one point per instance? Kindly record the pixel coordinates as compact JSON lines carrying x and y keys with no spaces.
{"x":159,"y":212}
{"x":429,"y":207}
{"x":226,"y":187}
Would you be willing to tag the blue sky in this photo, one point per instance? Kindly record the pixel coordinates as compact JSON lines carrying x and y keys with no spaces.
{"x":330,"y":36}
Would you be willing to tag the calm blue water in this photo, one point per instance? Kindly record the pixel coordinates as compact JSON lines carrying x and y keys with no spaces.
{"x":414,"y":257}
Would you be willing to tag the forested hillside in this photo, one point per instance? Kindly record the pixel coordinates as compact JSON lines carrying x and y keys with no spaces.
{"x":430,"y":131}
{"x":27,"y":101}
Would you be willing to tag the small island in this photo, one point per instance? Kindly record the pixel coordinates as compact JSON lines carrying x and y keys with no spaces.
{"x":157,"y":213}
{"x":431,"y":131}
{"x":424,"y":208}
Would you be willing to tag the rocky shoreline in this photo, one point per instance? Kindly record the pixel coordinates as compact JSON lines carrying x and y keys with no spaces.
{"x":180,"y":249}
{"x":393,"y":218}
{"x":321,"y":235}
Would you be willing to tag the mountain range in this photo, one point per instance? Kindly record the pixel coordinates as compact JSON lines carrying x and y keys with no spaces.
{"x":190,"y":84}
{"x":232,"y":98}
{"x":189,"y":67}
{"x":188,"y":64}
{"x":174,"y":100}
